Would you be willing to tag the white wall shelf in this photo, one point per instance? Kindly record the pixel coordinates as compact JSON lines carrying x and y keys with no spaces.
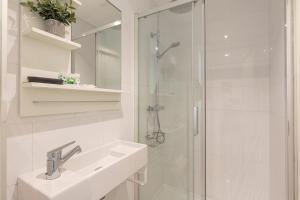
{"x":42,"y":35}
{"x":45,"y":54}
{"x":69,"y":87}
{"x":44,"y":99}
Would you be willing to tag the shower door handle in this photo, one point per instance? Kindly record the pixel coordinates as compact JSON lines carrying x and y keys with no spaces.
{"x":196,"y":121}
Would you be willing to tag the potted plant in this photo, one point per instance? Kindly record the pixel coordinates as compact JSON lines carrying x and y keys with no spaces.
{"x":57,"y":14}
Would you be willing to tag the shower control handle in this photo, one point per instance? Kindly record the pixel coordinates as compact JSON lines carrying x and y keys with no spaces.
{"x":196,"y":121}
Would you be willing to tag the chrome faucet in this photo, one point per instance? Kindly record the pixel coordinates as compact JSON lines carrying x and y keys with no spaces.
{"x":55,"y":160}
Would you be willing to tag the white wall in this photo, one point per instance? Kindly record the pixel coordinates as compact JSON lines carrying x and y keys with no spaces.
{"x":26,"y":140}
{"x":1,"y":20}
{"x":3,"y":5}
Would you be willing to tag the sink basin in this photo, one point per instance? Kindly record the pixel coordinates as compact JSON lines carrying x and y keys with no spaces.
{"x":88,"y":176}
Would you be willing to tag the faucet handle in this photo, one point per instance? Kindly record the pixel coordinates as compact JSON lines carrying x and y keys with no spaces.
{"x":59,"y":149}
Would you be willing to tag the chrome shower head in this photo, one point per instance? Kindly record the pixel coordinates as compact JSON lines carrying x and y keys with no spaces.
{"x":173,"y":45}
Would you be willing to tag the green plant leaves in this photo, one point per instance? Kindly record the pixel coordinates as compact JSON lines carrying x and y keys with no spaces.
{"x":53,"y":9}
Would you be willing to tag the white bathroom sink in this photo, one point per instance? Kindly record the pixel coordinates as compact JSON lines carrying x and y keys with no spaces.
{"x":89,"y":176}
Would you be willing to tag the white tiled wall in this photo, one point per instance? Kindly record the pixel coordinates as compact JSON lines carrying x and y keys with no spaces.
{"x":26,"y":140}
{"x":245,"y":106}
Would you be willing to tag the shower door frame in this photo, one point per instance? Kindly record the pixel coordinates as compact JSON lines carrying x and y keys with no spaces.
{"x":291,"y":93}
{"x":291,"y":103}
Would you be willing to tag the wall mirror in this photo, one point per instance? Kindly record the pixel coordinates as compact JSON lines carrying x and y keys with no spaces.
{"x":98,"y":30}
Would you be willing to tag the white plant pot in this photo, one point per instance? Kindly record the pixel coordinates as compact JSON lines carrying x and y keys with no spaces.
{"x":55,"y":27}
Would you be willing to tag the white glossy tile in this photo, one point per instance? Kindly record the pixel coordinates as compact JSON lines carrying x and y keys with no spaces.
{"x":13,"y":33}
{"x":18,"y":151}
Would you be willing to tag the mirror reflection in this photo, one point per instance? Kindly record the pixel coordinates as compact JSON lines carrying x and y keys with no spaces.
{"x":98,"y":30}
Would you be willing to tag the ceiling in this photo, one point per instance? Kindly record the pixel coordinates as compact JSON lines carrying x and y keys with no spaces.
{"x":98,"y":12}
{"x":142,"y":5}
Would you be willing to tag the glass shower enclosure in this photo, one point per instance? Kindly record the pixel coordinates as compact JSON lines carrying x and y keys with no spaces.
{"x":212,"y":101}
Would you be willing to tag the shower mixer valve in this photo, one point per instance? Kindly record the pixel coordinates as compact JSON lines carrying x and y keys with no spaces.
{"x":156,"y":136}
{"x":155,"y":108}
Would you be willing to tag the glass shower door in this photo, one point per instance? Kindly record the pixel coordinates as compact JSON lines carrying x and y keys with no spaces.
{"x":170,"y":111}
